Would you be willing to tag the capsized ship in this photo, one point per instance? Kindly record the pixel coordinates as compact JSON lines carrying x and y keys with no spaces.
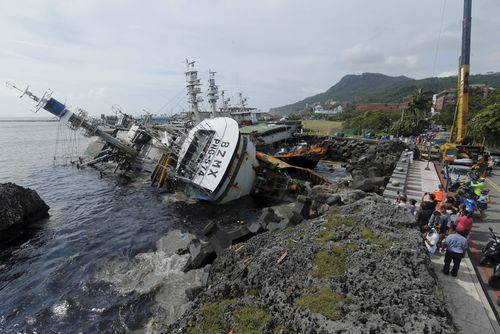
{"x":211,"y":161}
{"x":216,"y":163}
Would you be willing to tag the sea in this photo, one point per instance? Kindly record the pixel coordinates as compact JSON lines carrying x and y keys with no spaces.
{"x":61,"y":276}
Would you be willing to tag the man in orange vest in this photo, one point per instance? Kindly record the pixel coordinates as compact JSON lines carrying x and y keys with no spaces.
{"x":440,"y":195}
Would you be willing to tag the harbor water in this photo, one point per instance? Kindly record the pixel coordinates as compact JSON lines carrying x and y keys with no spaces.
{"x":48,"y":276}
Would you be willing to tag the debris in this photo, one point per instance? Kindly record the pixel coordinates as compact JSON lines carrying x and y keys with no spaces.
{"x":282,"y":257}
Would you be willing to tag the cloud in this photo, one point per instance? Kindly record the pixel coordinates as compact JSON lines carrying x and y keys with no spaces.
{"x":447,"y":74}
{"x":97,"y":53}
{"x":403,"y":62}
{"x":362,"y":53}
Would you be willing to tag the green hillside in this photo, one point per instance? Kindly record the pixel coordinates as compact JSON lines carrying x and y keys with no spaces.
{"x":375,"y":87}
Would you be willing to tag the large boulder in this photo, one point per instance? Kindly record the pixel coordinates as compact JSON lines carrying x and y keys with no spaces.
{"x":20,"y":206}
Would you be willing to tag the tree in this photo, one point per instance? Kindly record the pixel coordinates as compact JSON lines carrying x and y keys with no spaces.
{"x":445,"y":116}
{"x":415,"y":117}
{"x":486,"y":123}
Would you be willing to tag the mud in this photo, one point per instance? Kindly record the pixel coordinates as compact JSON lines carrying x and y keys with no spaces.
{"x":377,"y":272}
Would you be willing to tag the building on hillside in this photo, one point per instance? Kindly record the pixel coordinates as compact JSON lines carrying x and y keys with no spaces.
{"x":318,"y":110}
{"x":443,"y":98}
{"x":449,"y":96}
{"x":482,"y":90}
{"x":377,"y":106}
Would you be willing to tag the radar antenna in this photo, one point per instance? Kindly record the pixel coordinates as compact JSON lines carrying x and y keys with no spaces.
{"x":41,"y":101}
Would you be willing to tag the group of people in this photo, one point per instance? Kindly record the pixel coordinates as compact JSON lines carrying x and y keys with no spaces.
{"x":445,"y":224}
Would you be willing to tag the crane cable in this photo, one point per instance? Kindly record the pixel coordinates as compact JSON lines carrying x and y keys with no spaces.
{"x":439,"y":40}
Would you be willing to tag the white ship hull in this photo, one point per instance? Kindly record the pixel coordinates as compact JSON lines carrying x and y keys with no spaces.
{"x":216,"y":163}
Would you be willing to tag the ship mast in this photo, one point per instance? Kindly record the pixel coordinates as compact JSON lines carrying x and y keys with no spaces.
{"x":243,"y":101}
{"x":213,"y":92}
{"x":193,"y":88}
{"x":225,"y":102}
{"x":75,"y":121}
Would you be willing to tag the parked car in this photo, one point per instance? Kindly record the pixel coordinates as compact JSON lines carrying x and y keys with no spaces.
{"x":457,"y":173}
{"x":495,"y":156}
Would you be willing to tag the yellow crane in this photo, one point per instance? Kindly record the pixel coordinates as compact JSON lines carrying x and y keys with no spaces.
{"x":456,"y":147}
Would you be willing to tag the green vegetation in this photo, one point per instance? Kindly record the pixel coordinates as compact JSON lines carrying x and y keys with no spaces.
{"x":486,"y":121}
{"x":415,"y":117}
{"x":328,"y":264}
{"x":326,"y":235}
{"x":483,"y":118}
{"x":372,"y":121}
{"x":251,"y":320}
{"x":336,"y":221}
{"x":375,"y":87}
{"x":352,"y":246}
{"x":212,"y":318}
{"x":321,"y":126}
{"x":326,"y":302}
{"x":368,"y":234}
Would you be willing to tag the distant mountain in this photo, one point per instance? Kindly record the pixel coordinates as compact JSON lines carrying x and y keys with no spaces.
{"x":376,"y":87}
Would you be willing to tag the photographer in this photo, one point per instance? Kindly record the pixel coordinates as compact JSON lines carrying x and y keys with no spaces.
{"x":427,"y":207}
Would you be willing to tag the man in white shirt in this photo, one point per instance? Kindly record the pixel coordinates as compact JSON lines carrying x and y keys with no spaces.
{"x":431,"y":239}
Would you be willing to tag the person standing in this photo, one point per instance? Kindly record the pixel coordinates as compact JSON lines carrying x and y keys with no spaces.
{"x":426,"y":209}
{"x":464,"y":223}
{"x":478,"y":186}
{"x":455,"y":245}
{"x":439,"y":195}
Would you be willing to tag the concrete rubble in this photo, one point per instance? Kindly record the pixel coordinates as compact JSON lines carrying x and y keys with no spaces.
{"x":382,"y":279}
{"x":20,"y":206}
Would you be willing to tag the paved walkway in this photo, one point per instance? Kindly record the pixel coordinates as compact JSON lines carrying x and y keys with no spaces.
{"x":468,"y":303}
{"x":466,"y":299}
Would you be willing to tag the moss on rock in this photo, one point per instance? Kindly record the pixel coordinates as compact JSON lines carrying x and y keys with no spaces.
{"x":251,"y":320}
{"x":325,"y":302}
{"x":336,"y":221}
{"x":328,"y":264}
{"x":212,"y":319}
{"x":368,"y":235}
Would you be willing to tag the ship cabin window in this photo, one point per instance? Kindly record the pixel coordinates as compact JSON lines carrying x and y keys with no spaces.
{"x":195,"y":153}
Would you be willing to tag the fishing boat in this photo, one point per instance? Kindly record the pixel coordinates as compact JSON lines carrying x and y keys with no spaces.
{"x":304,"y":155}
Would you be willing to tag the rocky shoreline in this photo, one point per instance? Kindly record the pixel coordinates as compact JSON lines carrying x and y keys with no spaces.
{"x":360,"y":267}
{"x":20,"y":206}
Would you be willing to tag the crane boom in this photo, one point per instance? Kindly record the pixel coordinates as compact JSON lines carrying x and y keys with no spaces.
{"x":456,"y":147}
{"x":463,"y":75}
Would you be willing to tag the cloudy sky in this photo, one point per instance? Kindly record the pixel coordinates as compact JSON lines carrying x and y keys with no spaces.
{"x":95,"y":53}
